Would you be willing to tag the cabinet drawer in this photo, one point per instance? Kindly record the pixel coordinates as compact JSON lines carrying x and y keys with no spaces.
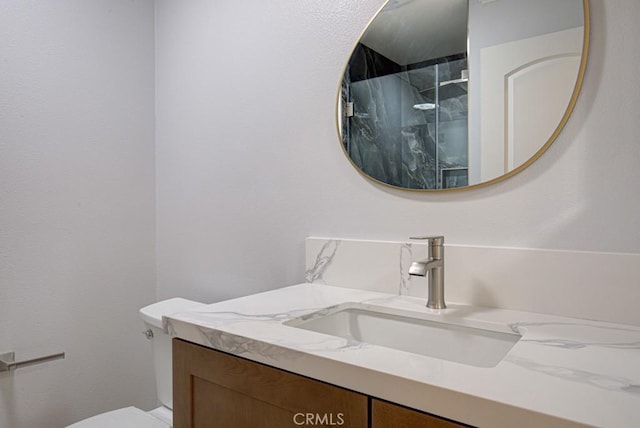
{"x":387,"y":415}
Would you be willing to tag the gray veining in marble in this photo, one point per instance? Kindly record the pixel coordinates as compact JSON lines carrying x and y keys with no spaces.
{"x":613,"y":337}
{"x":572,"y":344}
{"x":240,"y":346}
{"x":517,"y":327}
{"x":608,"y":382}
{"x":406,"y":257}
{"x":227,"y":317}
{"x":322,"y":262}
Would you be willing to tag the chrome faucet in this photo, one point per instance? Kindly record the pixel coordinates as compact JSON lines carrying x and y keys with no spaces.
{"x":434,"y":266}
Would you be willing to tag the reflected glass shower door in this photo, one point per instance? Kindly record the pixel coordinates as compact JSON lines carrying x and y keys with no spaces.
{"x":409,"y":129}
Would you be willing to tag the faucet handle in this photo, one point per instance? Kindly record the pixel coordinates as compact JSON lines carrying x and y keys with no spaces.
{"x":435,"y":241}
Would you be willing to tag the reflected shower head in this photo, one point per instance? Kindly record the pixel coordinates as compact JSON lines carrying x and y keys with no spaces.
{"x":424,"y":106}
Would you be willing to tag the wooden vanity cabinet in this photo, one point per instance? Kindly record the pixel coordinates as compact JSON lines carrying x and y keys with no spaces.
{"x":388,"y":415}
{"x":212,"y":389}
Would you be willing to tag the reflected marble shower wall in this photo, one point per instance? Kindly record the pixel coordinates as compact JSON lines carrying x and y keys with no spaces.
{"x":409,"y":128}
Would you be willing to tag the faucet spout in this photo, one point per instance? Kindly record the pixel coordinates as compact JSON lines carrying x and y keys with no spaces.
{"x":422,"y":267}
{"x":434,"y":268}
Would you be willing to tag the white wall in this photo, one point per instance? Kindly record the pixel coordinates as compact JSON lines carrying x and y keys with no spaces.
{"x":76,"y":206}
{"x":249,"y":162}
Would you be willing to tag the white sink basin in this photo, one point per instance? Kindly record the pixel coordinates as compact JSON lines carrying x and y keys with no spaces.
{"x":413,"y":332}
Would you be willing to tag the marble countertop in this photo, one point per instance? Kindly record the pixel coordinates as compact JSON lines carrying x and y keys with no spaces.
{"x":562,"y":372}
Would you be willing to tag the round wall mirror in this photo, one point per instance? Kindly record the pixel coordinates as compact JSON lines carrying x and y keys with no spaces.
{"x":452,"y":94}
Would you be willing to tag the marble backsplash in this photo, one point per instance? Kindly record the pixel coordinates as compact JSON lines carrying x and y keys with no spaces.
{"x":366,"y":265}
{"x":579,"y":284}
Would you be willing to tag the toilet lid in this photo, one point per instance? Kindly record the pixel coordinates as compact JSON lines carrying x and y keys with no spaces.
{"x":128,"y":417}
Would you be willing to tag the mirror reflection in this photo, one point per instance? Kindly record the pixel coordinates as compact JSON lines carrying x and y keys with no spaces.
{"x":442,"y":94}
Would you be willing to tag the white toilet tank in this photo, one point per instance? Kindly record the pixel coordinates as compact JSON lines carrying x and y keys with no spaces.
{"x":162,"y":361}
{"x":162,"y":417}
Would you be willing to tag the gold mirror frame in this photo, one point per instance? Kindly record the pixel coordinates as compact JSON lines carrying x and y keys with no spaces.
{"x":563,"y":121}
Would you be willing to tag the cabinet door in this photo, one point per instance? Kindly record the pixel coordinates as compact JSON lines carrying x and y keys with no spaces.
{"x":214,"y":389}
{"x":387,"y":415}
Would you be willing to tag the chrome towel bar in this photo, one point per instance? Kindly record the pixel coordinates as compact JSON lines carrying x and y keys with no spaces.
{"x":8,"y":362}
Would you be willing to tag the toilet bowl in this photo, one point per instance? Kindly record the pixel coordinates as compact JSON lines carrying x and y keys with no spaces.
{"x":128,"y":417}
{"x":161,"y":417}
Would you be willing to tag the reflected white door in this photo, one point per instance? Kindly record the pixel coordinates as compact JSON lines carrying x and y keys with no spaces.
{"x":526,"y":86}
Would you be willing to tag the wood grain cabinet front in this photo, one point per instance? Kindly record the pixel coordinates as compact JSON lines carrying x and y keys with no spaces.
{"x":212,"y":389}
{"x":388,"y":415}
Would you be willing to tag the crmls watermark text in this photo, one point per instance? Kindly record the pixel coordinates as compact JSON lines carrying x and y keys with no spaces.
{"x":319,"y":419}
